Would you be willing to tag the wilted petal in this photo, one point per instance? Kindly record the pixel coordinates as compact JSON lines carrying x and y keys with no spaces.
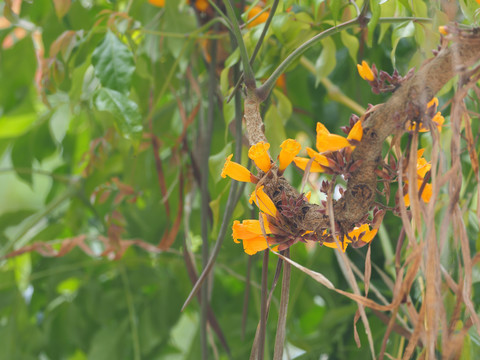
{"x":343,"y":244}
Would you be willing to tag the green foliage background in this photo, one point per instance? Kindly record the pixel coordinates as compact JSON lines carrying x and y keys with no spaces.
{"x":78,"y":157}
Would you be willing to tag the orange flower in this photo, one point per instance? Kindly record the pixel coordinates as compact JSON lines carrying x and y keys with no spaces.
{"x":362,"y":233}
{"x":365,"y":71}
{"x":237,"y":171}
{"x":201,"y":5}
{"x":444,"y":30}
{"x":250,"y":232}
{"x":303,"y":162}
{"x":438,"y":119}
{"x":356,"y":132}
{"x":158,"y":3}
{"x":290,"y":149}
{"x":433,"y":102}
{"x":259,"y":154}
{"x":252,"y":13}
{"x":329,"y":142}
{"x":263,"y":202}
{"x":422,"y":168}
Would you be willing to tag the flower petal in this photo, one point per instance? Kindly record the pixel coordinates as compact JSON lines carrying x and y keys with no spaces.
{"x":290,"y":149}
{"x":237,"y":171}
{"x":330,"y":142}
{"x":302,"y":164}
{"x":433,"y":102}
{"x":254,"y":245}
{"x":259,"y":154}
{"x":365,"y":71}
{"x":264,"y":203}
{"x":356,"y":133}
{"x":319,"y":158}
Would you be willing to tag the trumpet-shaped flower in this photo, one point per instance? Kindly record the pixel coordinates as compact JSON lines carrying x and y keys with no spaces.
{"x":327,"y":141}
{"x":263,"y":201}
{"x":237,"y":171}
{"x":259,"y":154}
{"x":332,"y":142}
{"x":365,"y":71}
{"x":290,"y":149}
{"x":251,"y":234}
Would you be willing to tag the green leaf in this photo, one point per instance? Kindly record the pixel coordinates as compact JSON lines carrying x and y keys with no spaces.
{"x":113,"y":62}
{"x":178,"y":20}
{"x":372,"y":24}
{"x":124,"y":110}
{"x":405,"y":30}
{"x":351,"y":43}
{"x":22,"y":156}
{"x":22,"y":266}
{"x":16,"y":124}
{"x":274,"y":129}
{"x":216,"y":161}
{"x":326,"y":61}
{"x":335,"y":7}
{"x":59,"y":122}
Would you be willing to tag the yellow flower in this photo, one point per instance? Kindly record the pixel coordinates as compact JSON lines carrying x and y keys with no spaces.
{"x":259,"y":154}
{"x":290,"y":149}
{"x":302,"y":164}
{"x":201,"y":5}
{"x":254,"y":11}
{"x":422,"y":168}
{"x":263,"y":202}
{"x":367,"y":237}
{"x":343,"y":244}
{"x":438,"y":119}
{"x":308,"y":195}
{"x":443,"y":29}
{"x":426,"y":193}
{"x":237,"y":171}
{"x":365,"y":72}
{"x":250,"y":232}
{"x":356,"y":132}
{"x":159,"y":3}
{"x":329,"y":142}
{"x":433,"y":102}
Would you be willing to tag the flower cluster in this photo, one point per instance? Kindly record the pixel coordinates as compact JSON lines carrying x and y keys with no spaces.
{"x":431,"y":114}
{"x":282,"y":211}
{"x":382,"y":82}
{"x":334,"y":151}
